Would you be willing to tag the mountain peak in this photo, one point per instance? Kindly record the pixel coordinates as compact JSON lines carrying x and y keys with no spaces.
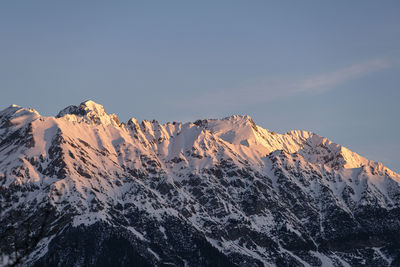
{"x":83,"y":109}
{"x":93,"y":106}
{"x":238,"y":118}
{"x":17,"y":116}
{"x":90,"y":112}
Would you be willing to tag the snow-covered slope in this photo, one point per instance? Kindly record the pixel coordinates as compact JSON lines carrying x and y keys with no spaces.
{"x":213,"y":192}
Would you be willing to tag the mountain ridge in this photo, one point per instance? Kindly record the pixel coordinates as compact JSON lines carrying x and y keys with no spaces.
{"x":93,"y":112}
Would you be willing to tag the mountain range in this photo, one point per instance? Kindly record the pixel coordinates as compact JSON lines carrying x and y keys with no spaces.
{"x":83,"y":189}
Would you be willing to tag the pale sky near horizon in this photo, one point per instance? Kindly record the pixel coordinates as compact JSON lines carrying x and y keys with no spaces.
{"x":331,"y":67}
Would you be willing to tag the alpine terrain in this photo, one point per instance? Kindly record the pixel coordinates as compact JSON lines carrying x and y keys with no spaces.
{"x":83,"y":189}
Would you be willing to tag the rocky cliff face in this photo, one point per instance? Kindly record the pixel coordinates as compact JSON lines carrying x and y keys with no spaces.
{"x":83,"y":189}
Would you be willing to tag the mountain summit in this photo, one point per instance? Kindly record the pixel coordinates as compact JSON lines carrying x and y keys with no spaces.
{"x":83,"y":189}
{"x":89,"y":111}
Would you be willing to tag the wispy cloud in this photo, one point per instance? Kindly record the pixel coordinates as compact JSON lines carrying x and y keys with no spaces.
{"x":272,"y":89}
{"x":330,"y":80}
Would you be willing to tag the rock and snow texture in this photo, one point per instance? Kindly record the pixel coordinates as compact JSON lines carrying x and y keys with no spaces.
{"x":218,"y":192}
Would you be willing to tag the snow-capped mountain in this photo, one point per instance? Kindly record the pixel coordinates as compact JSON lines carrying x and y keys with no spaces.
{"x":83,"y":189}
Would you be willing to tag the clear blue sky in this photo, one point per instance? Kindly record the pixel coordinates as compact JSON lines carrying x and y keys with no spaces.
{"x":332,"y":67}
